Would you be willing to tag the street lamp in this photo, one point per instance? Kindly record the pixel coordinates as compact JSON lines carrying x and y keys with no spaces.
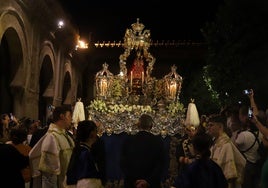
{"x":60,"y":24}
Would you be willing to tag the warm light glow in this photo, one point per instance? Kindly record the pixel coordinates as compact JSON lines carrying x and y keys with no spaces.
{"x":142,"y":77}
{"x":81,"y":44}
{"x":173,"y":90}
{"x":122,"y":98}
{"x":103,"y":87}
{"x":131,"y":77}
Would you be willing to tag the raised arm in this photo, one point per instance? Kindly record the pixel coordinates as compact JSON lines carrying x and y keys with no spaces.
{"x":260,"y":126}
{"x":253,"y":103}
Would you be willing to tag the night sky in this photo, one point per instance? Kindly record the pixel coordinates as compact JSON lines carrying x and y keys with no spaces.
{"x":167,"y":20}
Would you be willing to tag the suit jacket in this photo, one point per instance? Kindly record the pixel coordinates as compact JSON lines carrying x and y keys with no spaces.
{"x":142,"y":157}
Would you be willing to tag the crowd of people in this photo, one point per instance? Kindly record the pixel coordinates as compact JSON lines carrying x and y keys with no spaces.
{"x":226,"y":150}
{"x":239,"y":144}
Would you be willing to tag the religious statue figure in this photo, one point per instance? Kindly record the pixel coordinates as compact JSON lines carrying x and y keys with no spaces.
{"x":138,"y":67}
{"x":137,"y":75}
{"x":150,"y":67}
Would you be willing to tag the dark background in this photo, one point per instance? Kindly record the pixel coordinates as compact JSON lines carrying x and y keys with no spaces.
{"x":167,"y":20}
{"x":235,"y":55}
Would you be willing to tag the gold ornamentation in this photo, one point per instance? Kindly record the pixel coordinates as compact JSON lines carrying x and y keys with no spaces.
{"x":122,"y":98}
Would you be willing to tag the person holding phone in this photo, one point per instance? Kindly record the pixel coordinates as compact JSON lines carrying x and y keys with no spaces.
{"x":247,"y":141}
{"x":259,"y":119}
{"x":5,"y":125}
{"x":13,"y":121}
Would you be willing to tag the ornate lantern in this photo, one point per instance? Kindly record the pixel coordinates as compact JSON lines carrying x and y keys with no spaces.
{"x":104,"y":79}
{"x":173,"y":83}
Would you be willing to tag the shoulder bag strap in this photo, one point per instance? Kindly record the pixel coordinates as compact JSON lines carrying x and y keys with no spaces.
{"x":256,"y":140}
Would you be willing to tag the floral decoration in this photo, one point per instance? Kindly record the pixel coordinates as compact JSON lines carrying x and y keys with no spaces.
{"x":174,"y":108}
{"x":101,"y":106}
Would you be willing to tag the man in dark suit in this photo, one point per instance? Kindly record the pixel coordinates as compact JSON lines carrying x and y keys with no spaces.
{"x":142,"y":157}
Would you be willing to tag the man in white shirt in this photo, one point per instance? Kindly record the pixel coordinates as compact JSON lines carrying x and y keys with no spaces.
{"x":51,"y":155}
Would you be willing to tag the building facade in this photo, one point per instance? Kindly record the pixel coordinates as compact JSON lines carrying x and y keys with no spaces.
{"x":35,"y":58}
{"x":40,"y":67}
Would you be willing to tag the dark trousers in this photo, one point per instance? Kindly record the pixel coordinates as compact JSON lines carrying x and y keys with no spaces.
{"x":252,"y":175}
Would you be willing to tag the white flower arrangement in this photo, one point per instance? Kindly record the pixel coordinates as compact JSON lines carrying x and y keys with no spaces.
{"x":118,"y":118}
{"x":101,"y":106}
{"x":174,"y":108}
{"x":98,"y":105}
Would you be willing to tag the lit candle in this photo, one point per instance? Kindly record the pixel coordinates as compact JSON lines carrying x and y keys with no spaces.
{"x":142,"y":77}
{"x":104,"y":84}
{"x":173,"y":88}
{"x":101,"y":88}
{"x":131,"y":79}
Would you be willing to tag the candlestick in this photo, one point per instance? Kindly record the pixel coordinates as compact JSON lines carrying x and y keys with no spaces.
{"x":101,"y":88}
{"x":173,"y":88}
{"x":131,"y":79}
{"x":105,"y":87}
{"x":142,"y":77}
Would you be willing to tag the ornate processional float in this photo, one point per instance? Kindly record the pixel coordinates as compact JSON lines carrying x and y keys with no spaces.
{"x":121,"y":99}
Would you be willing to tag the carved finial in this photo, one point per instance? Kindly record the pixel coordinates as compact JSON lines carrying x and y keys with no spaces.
{"x":173,"y":68}
{"x":105,"y":66}
{"x":137,"y":27}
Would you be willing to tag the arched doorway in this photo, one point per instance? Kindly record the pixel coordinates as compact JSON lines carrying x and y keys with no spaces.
{"x":79,"y":93}
{"x":66,"y":90}
{"x":10,"y":59}
{"x":46,"y":90}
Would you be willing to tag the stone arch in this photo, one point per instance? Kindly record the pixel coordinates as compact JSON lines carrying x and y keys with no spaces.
{"x":13,"y":58}
{"x":79,"y":92}
{"x":66,"y":89}
{"x":46,"y":81}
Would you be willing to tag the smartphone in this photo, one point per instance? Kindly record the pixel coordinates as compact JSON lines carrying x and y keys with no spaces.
{"x":11,"y":116}
{"x":250,"y":113}
{"x":246,"y":92}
